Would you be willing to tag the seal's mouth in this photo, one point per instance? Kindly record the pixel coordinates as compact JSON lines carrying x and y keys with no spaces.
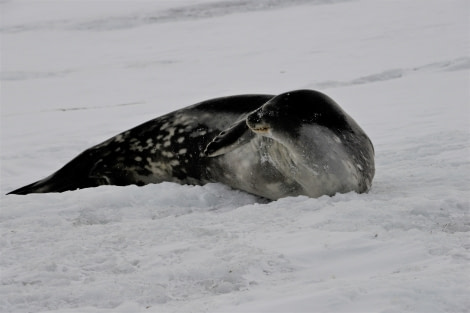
{"x":260,"y":129}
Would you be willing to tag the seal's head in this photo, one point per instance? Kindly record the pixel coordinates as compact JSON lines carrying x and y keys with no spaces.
{"x":286,"y":117}
{"x":290,"y":111}
{"x":325,"y":146}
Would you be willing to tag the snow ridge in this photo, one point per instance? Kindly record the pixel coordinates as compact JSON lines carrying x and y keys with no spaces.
{"x":202,"y":10}
{"x":458,"y":64}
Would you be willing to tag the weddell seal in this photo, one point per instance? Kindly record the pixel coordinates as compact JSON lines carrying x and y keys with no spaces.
{"x":297,"y":143}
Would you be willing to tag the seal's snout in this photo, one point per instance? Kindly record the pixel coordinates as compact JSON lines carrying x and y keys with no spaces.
{"x":256,"y":123}
{"x":255,"y":117}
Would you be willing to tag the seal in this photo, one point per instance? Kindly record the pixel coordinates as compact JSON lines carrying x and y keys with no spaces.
{"x":296,"y":143}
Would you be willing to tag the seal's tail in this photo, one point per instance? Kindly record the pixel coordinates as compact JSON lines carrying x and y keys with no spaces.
{"x":74,"y":175}
{"x":48,"y":184}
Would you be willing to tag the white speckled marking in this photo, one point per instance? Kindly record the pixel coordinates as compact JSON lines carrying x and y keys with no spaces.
{"x":167,"y":154}
{"x":119,"y":138}
{"x":164,"y":126}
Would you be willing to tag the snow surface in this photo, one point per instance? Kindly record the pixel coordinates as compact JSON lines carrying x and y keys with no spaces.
{"x":77,"y":72}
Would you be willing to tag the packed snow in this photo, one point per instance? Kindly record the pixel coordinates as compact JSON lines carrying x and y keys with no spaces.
{"x":74,"y":73}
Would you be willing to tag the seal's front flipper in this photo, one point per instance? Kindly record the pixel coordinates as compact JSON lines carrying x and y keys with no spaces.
{"x":237,"y":135}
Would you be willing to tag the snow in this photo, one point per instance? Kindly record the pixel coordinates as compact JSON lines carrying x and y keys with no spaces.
{"x":75,"y":73}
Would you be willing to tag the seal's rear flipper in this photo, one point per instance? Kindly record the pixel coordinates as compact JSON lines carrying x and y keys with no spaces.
{"x":235,"y":136}
{"x":76,"y":174}
{"x":48,"y":184}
